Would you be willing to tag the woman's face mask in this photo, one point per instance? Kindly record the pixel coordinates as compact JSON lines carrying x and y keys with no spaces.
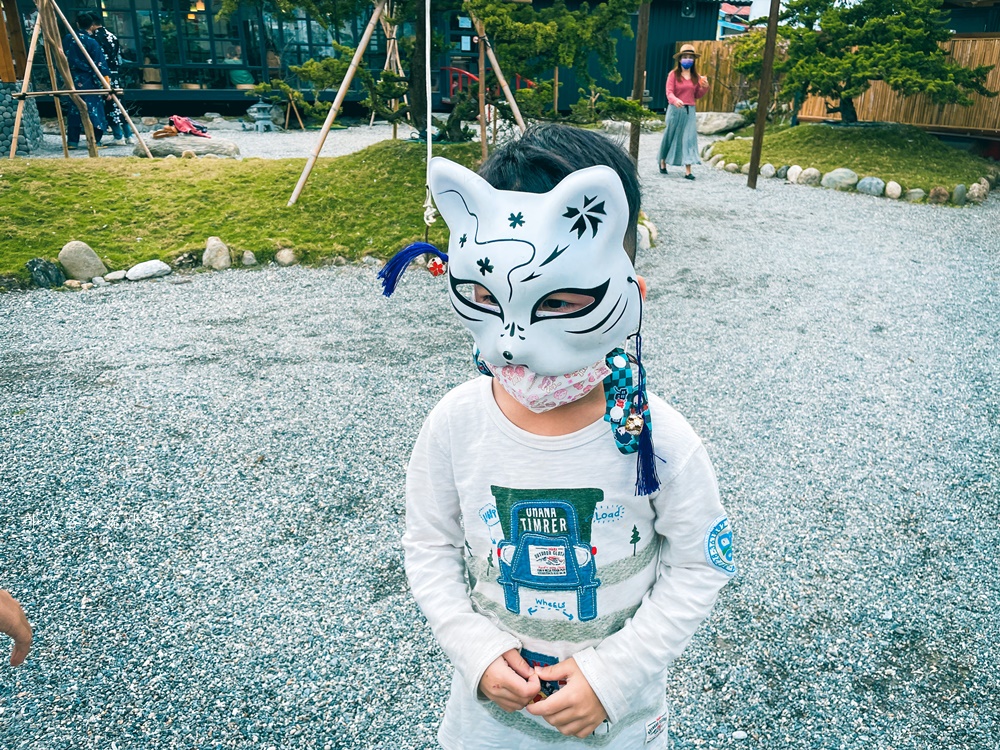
{"x":687,"y":63}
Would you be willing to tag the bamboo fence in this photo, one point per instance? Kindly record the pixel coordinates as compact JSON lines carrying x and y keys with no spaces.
{"x":879,"y":103}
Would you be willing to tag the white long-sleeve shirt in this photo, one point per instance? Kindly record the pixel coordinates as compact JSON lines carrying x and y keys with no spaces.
{"x":515,"y":540}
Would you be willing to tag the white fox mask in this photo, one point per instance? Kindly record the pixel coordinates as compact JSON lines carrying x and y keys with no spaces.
{"x":524,"y":247}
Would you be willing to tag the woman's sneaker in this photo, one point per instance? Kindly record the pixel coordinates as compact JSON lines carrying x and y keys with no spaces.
{"x":117,"y":142}
{"x":130,"y":141}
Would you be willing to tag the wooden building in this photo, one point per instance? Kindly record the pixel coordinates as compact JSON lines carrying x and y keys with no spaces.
{"x":178,"y":51}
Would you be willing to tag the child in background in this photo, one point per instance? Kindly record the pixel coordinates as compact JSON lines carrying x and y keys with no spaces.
{"x":564,"y":534}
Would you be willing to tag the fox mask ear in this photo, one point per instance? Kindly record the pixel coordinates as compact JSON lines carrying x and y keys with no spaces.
{"x":458,"y":191}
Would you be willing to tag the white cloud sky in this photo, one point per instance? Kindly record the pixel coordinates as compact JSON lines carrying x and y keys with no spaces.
{"x":760,"y":8}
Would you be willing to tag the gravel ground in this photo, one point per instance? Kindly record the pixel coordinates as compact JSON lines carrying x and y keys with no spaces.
{"x":201,"y":486}
{"x":288,"y":145}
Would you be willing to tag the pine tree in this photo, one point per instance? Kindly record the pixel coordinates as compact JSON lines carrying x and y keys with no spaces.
{"x":635,"y":539}
{"x":836,"y":48}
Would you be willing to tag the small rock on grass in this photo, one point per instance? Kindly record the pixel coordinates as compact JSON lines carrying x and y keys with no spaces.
{"x":893,"y":190}
{"x":958,"y":195}
{"x":216,"y":255}
{"x":977,"y":193}
{"x":115,"y":276}
{"x":840,"y":179}
{"x":810,"y":176}
{"x":768,"y":170}
{"x":733,"y":167}
{"x":150,"y":269}
{"x":286,"y":257}
{"x":782,"y":172}
{"x":73,"y":284}
{"x":80,"y":261}
{"x":915,"y":195}
{"x":45,"y":273}
{"x":939,"y":195}
{"x":871,"y":186}
{"x":792,"y":175}
{"x":249,"y":259}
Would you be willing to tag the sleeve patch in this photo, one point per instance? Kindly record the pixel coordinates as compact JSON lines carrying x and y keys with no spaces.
{"x":719,"y":546}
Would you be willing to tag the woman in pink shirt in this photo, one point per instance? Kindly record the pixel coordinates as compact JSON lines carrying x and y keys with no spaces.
{"x":684,"y":87}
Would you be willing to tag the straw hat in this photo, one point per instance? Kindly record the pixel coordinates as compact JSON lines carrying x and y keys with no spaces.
{"x":687,"y":48}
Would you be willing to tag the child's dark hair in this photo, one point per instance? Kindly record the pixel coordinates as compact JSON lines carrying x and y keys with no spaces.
{"x":84,"y":21}
{"x":545,"y":154}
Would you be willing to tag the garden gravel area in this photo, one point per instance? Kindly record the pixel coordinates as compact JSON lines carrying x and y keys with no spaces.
{"x":291,"y":144}
{"x":201,"y":485}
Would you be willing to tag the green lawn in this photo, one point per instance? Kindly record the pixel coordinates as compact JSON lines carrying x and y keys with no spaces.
{"x":905,"y":154}
{"x":131,"y":210}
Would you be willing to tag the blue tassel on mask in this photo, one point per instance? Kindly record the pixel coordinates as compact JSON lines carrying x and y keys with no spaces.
{"x":398,"y":263}
{"x":646,"y":480}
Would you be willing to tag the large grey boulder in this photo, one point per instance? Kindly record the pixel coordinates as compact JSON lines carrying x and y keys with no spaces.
{"x":840,"y":179}
{"x":216,"y":255}
{"x":45,"y":273}
{"x":149,"y":269}
{"x":80,"y":262}
{"x":177,"y":145}
{"x":871,"y":186}
{"x":708,"y":123}
{"x":810,"y":176}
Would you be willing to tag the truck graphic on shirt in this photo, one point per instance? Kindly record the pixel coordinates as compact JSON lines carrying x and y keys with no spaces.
{"x":546,"y":547}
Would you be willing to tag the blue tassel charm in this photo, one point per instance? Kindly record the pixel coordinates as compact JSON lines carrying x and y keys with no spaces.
{"x":646,"y":480}
{"x":398,"y":263}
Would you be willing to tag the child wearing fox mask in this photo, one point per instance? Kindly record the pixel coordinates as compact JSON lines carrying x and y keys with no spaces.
{"x":564,"y":534}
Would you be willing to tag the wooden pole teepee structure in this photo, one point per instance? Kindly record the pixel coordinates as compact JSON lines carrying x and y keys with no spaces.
{"x":48,"y":25}
{"x":338,"y":100}
{"x":349,"y":76}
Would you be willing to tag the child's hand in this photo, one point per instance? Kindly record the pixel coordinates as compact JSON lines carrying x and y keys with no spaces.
{"x":510,"y":682}
{"x":573,"y":709}
{"x":15,"y":624}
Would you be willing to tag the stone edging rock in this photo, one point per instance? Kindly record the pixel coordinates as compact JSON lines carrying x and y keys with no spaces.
{"x":80,"y":268}
{"x":846,"y":180}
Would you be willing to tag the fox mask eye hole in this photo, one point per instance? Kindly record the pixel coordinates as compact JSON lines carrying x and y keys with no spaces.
{"x":568,"y":303}
{"x":562,"y":303}
{"x":477,"y":296}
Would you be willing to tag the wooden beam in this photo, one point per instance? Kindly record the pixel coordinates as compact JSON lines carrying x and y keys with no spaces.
{"x":764,"y":93}
{"x":7,"y":74}
{"x":15,"y":36}
{"x":341,"y":93}
{"x":639,"y":75}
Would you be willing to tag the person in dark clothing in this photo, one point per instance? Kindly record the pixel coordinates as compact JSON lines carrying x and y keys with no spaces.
{"x":112,"y":50}
{"x":84,"y":79}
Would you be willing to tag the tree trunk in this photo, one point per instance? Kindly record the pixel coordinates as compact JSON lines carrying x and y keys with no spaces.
{"x":415,"y":91}
{"x":848,"y":115}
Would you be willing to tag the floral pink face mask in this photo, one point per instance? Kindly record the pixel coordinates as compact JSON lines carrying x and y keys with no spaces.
{"x":540,"y":393}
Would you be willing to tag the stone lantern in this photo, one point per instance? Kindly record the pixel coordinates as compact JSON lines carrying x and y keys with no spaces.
{"x":261,"y":115}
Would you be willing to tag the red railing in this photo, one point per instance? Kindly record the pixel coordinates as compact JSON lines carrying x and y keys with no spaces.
{"x":459,"y":80}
